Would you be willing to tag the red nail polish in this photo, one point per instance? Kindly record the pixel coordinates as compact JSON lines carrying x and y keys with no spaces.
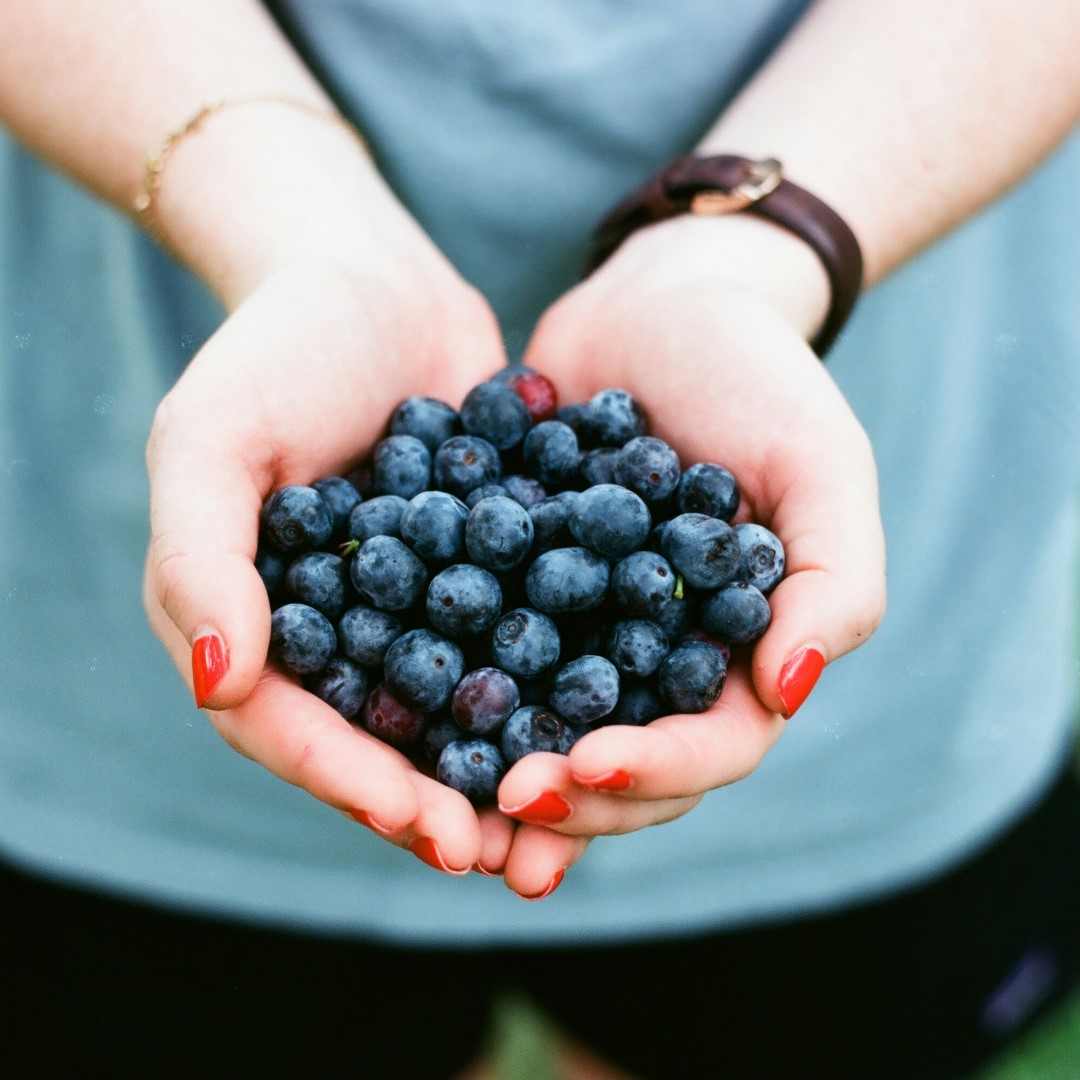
{"x":616,"y":780}
{"x":209,"y":662}
{"x":797,"y":678}
{"x":427,"y":851}
{"x":548,"y":808}
{"x":555,"y":882}
{"x":366,"y":819}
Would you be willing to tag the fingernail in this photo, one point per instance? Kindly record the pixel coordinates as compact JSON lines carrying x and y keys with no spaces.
{"x":548,"y":808}
{"x":480,"y":870}
{"x":366,"y":819}
{"x":426,"y":850}
{"x":209,"y":662}
{"x":797,"y":678}
{"x":555,"y":882}
{"x":616,"y":780}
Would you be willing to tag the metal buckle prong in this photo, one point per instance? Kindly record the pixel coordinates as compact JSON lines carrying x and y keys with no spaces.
{"x":762,"y":178}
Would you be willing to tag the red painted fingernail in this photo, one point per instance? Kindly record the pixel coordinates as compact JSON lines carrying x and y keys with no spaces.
{"x":797,"y":678}
{"x":555,"y":882}
{"x":480,"y":870}
{"x":616,"y":780}
{"x":366,"y":819}
{"x":426,"y":850}
{"x":548,"y":808}
{"x":209,"y":662}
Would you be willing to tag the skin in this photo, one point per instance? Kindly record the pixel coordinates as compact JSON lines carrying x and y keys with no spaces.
{"x":338,"y":306}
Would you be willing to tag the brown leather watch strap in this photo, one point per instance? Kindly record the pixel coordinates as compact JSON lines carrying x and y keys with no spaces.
{"x":727,"y":183}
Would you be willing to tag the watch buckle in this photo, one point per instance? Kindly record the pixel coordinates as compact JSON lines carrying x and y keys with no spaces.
{"x":762,"y":178}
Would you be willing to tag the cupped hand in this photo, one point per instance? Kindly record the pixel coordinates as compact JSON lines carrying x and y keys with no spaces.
{"x":297,"y":384}
{"x":706,"y":325}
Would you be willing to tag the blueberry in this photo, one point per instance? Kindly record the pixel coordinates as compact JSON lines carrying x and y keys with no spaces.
{"x":524,"y":490}
{"x":320,"y":580}
{"x":573,"y":416}
{"x":692,"y":677}
{"x":463,"y":600}
{"x":439,"y":732}
{"x":485,"y":491}
{"x":648,"y":467}
{"x":550,"y":520}
{"x":567,"y":580}
{"x":637,"y":647}
{"x":536,"y":390}
{"x":639,"y":704}
{"x":598,"y":466}
{"x":761,"y":560}
{"x":525,"y":643}
{"x":496,"y":413}
{"x":423,"y":669}
{"x":613,"y":418}
{"x":465,"y":462}
{"x":533,"y":729}
{"x":301,"y":638}
{"x":708,"y":489}
{"x":704,"y":550}
{"x":341,"y":497}
{"x":387,"y":575}
{"x":296,"y":519}
{"x":643,"y":583}
{"x":365,"y":633}
{"x":401,"y":466}
{"x":499,"y":533}
{"x":427,"y":419}
{"x":388,"y":718}
{"x":380,"y":516}
{"x":474,"y":767}
{"x":433,"y":525}
{"x":342,"y":685}
{"x":484,"y":700}
{"x":551,"y":453}
{"x":675,"y":618}
{"x":737,"y":613}
{"x":610,"y":520}
{"x":585,"y":689}
{"x":272,"y":566}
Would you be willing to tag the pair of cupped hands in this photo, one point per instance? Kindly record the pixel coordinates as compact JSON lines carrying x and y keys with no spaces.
{"x":700,"y":321}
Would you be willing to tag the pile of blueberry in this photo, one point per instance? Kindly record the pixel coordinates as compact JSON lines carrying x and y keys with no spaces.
{"x":501,"y":579}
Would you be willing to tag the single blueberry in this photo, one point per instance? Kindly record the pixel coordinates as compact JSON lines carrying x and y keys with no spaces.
{"x":573,"y":416}
{"x":613,"y":418}
{"x":401,"y":465}
{"x":567,"y":580}
{"x":550,"y":519}
{"x":524,"y":490}
{"x":498,"y":533}
{"x":485,"y":491}
{"x":427,"y":419}
{"x":297,"y":518}
{"x":496,"y":413}
{"x":692,"y":677}
{"x":465,"y":462}
{"x":525,"y":643}
{"x":390,"y":719}
{"x":272,"y":566}
{"x":637,"y":647}
{"x":704,"y":550}
{"x":433,"y":525}
{"x":649,"y":468}
{"x":474,"y":767}
{"x":342,"y":685}
{"x":341,"y":496}
{"x":551,"y":453}
{"x":320,"y":580}
{"x":423,"y":668}
{"x":463,"y":600}
{"x":533,"y":729}
{"x":365,"y":633}
{"x":643,"y":583}
{"x":301,"y":638}
{"x":761,"y":560}
{"x":387,"y":575}
{"x":639,"y":703}
{"x":585,"y":689}
{"x":708,"y":489}
{"x":439,"y":732}
{"x":598,"y":466}
{"x":380,"y":516}
{"x":738,"y":613}
{"x":484,"y":700}
{"x":610,"y":520}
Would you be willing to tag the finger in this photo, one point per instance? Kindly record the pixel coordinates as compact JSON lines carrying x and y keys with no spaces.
{"x":496,"y":837}
{"x":445,"y":833}
{"x":541,"y":790}
{"x":539,"y":860}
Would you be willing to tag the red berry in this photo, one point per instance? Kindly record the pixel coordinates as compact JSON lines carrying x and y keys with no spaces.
{"x":538,"y":392}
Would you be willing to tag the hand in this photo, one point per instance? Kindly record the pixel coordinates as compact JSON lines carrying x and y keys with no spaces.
{"x":298,"y":384}
{"x":706,"y":323}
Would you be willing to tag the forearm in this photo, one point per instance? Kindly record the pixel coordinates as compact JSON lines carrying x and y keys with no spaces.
{"x":908,"y":116}
{"x":93,"y":88}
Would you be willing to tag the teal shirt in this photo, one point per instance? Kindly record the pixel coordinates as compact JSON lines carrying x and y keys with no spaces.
{"x":508,"y":129}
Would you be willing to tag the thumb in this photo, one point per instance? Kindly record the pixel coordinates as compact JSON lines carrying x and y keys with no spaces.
{"x":200,"y":575}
